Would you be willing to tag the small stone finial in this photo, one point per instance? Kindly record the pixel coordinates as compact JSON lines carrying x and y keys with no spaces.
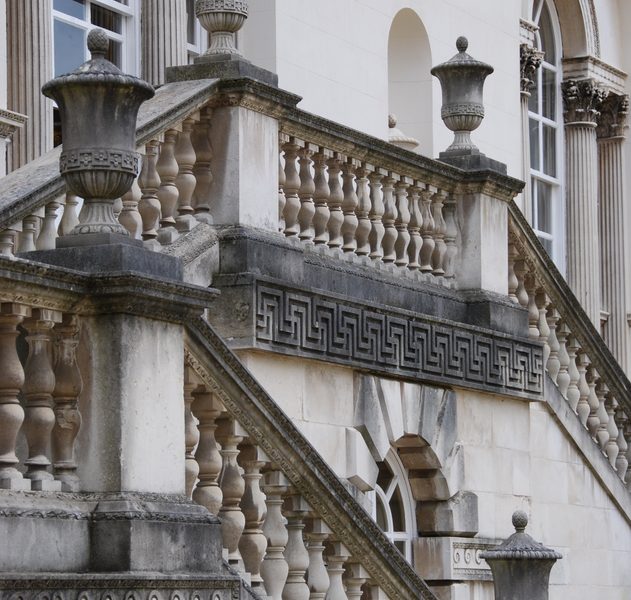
{"x":520,"y":520}
{"x":392,"y":121}
{"x":98,"y":42}
{"x":462,"y":43}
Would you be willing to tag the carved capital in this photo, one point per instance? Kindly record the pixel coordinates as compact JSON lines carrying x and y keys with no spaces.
{"x":613,"y":116}
{"x":529,"y":62}
{"x":582,"y":100}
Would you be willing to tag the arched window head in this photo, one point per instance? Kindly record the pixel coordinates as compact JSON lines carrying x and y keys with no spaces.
{"x":393,"y":508}
{"x":546,"y":135}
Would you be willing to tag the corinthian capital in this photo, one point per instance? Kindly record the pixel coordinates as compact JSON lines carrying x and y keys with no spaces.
{"x":529,"y":62}
{"x":613,"y":116}
{"x":582,"y":100}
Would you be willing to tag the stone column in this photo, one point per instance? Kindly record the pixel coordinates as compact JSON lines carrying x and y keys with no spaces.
{"x":29,"y":48}
{"x":163,"y":24}
{"x":581,"y":102}
{"x":529,"y":62}
{"x":613,"y":220}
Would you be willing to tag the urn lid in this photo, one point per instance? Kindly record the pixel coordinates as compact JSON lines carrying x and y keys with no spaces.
{"x":462,"y":59}
{"x":98,"y":70}
{"x":520,"y":546}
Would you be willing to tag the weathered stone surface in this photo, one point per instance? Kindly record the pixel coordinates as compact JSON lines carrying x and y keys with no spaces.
{"x":221,"y":67}
{"x":457,"y":516}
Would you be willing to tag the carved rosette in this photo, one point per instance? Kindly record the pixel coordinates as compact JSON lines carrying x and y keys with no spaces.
{"x":222,"y":19}
{"x":613,"y":117}
{"x":529,"y":61}
{"x":582,"y":101}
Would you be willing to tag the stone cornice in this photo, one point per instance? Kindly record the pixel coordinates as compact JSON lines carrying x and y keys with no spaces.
{"x":271,"y":429}
{"x":590,"y":67}
{"x":613,"y":117}
{"x":529,"y":62}
{"x":10,"y":121}
{"x":582,"y":101}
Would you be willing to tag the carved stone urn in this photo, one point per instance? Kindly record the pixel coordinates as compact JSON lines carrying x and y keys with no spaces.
{"x":222,"y":19}
{"x":98,"y":106}
{"x":462,"y":81}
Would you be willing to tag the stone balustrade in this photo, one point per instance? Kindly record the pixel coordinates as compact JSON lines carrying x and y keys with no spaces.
{"x":576,"y":359}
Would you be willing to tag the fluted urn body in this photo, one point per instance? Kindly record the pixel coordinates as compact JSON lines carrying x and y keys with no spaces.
{"x":222,"y":19}
{"x":98,"y":106}
{"x":462,"y":81}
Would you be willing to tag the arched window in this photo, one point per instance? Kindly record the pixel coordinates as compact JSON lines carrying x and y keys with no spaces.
{"x":546,"y":135}
{"x":393,"y":507}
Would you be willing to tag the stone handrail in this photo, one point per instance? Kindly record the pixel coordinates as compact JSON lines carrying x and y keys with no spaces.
{"x":289,"y":452}
{"x":577,"y":360}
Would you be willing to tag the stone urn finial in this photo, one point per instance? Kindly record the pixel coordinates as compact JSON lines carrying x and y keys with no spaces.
{"x":462,"y":81}
{"x":98,"y":106}
{"x":521,"y":566}
{"x":222,"y":19}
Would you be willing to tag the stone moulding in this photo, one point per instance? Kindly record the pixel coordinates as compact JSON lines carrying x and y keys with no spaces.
{"x":396,"y":342}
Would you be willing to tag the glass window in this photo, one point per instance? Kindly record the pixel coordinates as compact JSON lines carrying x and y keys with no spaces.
{"x":74,"y":8}
{"x":67,"y":39}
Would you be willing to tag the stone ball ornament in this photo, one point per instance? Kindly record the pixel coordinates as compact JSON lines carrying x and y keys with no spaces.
{"x":462,"y":82}
{"x":98,"y":106}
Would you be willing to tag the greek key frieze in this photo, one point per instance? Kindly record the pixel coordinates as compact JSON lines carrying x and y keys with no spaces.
{"x":397,"y":342}
{"x":87,"y":159}
{"x":238,"y":6}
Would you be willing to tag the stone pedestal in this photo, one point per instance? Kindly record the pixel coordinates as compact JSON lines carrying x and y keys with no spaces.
{"x":29,"y":42}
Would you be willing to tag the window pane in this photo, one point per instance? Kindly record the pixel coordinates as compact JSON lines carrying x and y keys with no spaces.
{"x":549,"y":151}
{"x":74,"y":8}
{"x":115,"y":53}
{"x":191,"y":21}
{"x":547,"y":36}
{"x":382,"y":520}
{"x":400,"y":544}
{"x":69,"y":47}
{"x":534,"y":144}
{"x":544,"y":207}
{"x":107,"y":19}
{"x":547,"y":244}
{"x":384,"y":477}
{"x":533,"y":101}
{"x":549,"y":98}
{"x":396,"y":508}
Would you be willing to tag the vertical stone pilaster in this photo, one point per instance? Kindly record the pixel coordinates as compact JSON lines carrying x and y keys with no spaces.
{"x":529,"y":62}
{"x":163,"y":24}
{"x":613,"y":219}
{"x":29,"y":45}
{"x":581,"y":102}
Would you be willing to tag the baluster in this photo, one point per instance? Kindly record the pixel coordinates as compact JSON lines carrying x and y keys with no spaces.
{"x":573,"y":392}
{"x":563,"y":378}
{"x":305,"y":193}
{"x":11,"y":382}
{"x":68,"y":386}
{"x":202,"y":169}
{"x":377,"y":229}
{"x":414,"y":227}
{"x":320,"y":198}
{"x":274,"y":568}
{"x":608,"y":437}
{"x":622,"y":463}
{"x":149,"y":206}
{"x":282,"y":139}
{"x":117,"y":207}
{"x":513,"y":283}
{"x":207,"y":409}
{"x":389,"y":218}
{"x":296,"y":554}
{"x":349,"y":205}
{"x":39,"y":384}
{"x":364,"y":225}
{"x":542,"y":301}
{"x":318,"y":577}
{"x":598,"y":419}
{"x":582,"y":406}
{"x":130,"y":218}
{"x":451,"y":234}
{"x":520,"y":272}
{"x":185,"y":181}
{"x":291,"y":187}
{"x":27,"y":235}
{"x":356,"y":577}
{"x":168,"y":193}
{"x":233,"y":487}
{"x":336,"y":197}
{"x":533,"y":312}
{"x":402,"y":222}
{"x":593,"y":420}
{"x":440,"y":227}
{"x":48,"y":233}
{"x":626,"y":476}
{"x":191,"y":433}
{"x":253,"y":541}
{"x":427,"y":229}
{"x":337,"y":556}
{"x":70,"y":217}
{"x":553,"y":364}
